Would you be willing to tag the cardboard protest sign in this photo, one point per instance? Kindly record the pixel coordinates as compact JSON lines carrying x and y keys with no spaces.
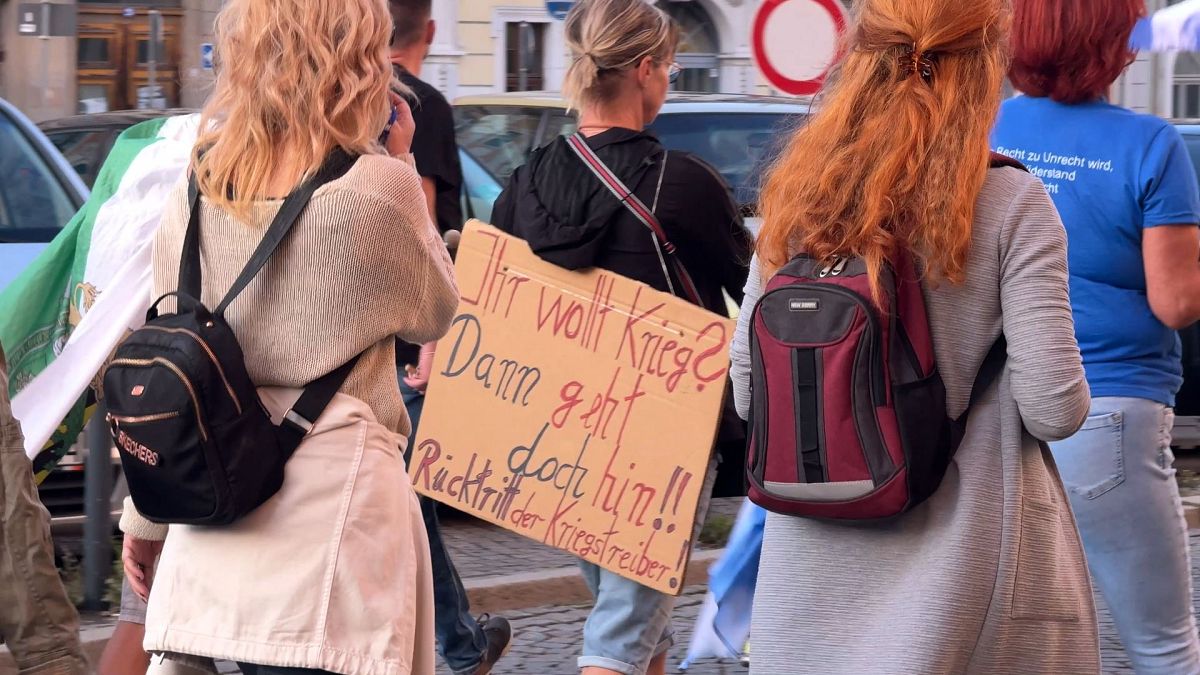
{"x":576,"y":408}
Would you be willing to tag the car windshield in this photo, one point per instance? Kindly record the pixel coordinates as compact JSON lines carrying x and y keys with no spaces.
{"x":34,"y":205}
{"x":495,"y":139}
{"x":739,"y":145}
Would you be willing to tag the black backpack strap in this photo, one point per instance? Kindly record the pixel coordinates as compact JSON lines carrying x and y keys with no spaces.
{"x":298,"y":421}
{"x":189,"y":264}
{"x":190,"y":277}
{"x":999,"y":161}
{"x":989,"y":371}
{"x":336,"y":166}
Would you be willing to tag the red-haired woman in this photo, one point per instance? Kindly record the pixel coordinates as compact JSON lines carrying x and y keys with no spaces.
{"x":988,"y":574}
{"x":1127,"y":195}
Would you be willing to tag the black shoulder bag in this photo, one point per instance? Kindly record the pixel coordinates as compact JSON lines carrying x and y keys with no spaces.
{"x":197,"y":445}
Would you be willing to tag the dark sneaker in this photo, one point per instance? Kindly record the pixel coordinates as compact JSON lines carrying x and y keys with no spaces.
{"x":499,"y":639}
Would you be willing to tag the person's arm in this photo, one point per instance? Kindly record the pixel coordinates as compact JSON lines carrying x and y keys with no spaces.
{"x":1170,"y":240}
{"x":429,"y":187}
{"x":705,"y":203}
{"x":504,"y":210}
{"x":1172,"y":259}
{"x":142,"y":543}
{"x":739,"y":350}
{"x":1047,"y":375}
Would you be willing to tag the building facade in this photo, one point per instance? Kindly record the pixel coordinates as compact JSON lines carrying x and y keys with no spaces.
{"x":109,"y":64}
{"x":481,"y":47}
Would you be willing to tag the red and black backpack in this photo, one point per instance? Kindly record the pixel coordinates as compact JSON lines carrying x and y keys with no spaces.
{"x":848,"y":412}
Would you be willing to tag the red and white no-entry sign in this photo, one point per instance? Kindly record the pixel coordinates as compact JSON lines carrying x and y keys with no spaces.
{"x":795,"y":42}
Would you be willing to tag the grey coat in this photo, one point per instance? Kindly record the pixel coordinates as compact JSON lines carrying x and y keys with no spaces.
{"x":989,"y":575}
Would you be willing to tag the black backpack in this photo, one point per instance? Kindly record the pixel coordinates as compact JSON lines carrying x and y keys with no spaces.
{"x":197,"y":445}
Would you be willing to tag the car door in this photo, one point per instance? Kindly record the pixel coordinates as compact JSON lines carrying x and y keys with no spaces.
{"x":84,"y":149}
{"x":38,"y":195}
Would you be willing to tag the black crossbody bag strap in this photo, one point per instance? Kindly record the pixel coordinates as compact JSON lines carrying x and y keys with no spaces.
{"x":578,"y":143}
{"x":298,"y":421}
{"x":190,"y":278}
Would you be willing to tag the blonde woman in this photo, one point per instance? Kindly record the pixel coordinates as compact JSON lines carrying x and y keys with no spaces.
{"x":988,"y":575}
{"x":332,"y":573}
{"x":625,"y":51}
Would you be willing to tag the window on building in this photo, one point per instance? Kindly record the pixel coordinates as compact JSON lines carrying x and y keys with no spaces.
{"x":1186,"y":92}
{"x":525,"y":56}
{"x":698,"y":47}
{"x":93,"y":51}
{"x":143,"y":52}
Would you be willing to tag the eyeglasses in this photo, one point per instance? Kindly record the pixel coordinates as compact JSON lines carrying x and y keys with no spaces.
{"x":673,"y":72}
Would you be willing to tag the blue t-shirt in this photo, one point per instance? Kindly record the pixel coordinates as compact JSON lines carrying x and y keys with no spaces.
{"x":1112,"y":173}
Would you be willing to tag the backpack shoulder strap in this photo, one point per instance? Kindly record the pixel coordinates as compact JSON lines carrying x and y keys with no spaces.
{"x":190,"y":276}
{"x":579,"y":145}
{"x":989,"y":371}
{"x":999,"y":161}
{"x":299,"y":420}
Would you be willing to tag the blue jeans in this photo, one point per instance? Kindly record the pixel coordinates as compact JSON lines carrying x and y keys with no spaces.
{"x":630,"y":624}
{"x":461,"y":641}
{"x":1118,"y":472}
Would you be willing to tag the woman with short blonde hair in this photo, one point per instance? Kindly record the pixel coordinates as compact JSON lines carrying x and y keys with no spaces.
{"x":624,"y":64}
{"x":331,"y":574}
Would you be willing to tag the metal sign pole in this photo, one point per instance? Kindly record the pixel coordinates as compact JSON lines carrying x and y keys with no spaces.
{"x":97,"y":526}
{"x":44,"y":34}
{"x":152,"y":57}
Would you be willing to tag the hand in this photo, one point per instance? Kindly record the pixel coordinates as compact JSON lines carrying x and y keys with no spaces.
{"x":400,"y":139}
{"x":138,"y":557}
{"x":418,"y":378}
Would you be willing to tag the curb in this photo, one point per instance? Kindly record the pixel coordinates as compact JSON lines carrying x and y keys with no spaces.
{"x":558,"y":586}
{"x":1191,"y":512}
{"x":495,"y":594}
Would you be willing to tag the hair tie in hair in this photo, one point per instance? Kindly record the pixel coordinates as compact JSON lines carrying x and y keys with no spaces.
{"x":913,"y":62}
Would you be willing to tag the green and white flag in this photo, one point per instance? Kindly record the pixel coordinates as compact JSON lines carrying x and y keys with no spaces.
{"x":66,"y":313}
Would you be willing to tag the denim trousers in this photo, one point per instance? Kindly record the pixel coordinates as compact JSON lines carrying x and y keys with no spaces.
{"x":630,"y":624}
{"x":461,"y":641}
{"x":1119,"y":475}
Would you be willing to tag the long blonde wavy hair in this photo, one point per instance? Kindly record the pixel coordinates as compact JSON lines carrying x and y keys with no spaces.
{"x":296,"y":79}
{"x":897,"y":150}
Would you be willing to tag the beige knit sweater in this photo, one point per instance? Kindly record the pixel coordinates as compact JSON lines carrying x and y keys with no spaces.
{"x":362,"y":265}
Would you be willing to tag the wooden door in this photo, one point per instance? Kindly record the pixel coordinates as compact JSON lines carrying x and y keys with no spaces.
{"x":113,"y":55}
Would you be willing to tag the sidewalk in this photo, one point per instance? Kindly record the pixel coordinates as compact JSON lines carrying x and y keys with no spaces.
{"x":540,"y":591}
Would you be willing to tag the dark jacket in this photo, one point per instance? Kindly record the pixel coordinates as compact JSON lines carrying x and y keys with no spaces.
{"x":569,"y":218}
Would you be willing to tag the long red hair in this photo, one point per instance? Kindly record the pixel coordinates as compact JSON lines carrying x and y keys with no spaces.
{"x":1071,"y":50}
{"x":897,"y":150}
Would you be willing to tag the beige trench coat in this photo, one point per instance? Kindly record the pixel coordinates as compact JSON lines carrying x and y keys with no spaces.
{"x":331,"y":573}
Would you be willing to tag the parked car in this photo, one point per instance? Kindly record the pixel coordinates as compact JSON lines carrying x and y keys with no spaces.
{"x":738,"y":134}
{"x":85,"y":140}
{"x":38,"y":195}
{"x":1187,"y":402}
{"x":41,"y":191}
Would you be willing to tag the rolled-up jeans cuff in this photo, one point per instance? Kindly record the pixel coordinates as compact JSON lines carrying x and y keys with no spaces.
{"x":664,"y":645}
{"x":607,"y":664}
{"x":133,"y":608}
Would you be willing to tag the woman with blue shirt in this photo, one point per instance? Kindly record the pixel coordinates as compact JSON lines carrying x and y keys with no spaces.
{"x":1128,"y":197}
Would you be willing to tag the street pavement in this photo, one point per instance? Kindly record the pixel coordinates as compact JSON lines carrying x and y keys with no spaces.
{"x":547,"y":639}
{"x":548,"y":636}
